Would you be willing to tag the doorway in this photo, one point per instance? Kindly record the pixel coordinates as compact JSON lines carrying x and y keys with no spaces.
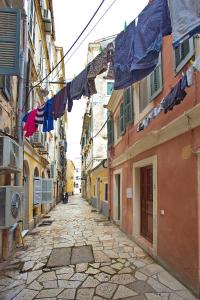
{"x":146,"y":195}
{"x":117,"y":199}
{"x":98,"y":195}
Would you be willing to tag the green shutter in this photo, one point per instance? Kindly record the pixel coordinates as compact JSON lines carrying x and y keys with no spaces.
{"x":128,"y":106}
{"x":110,"y":132}
{"x":122,"y":119}
{"x":156,"y":80}
{"x":10,"y":24}
{"x":177,"y":56}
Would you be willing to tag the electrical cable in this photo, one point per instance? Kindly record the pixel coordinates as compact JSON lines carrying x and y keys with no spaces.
{"x":100,"y":129}
{"x":69,"y":48}
{"x":87,"y":36}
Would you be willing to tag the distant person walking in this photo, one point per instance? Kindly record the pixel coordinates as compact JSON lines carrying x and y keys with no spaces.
{"x":65,"y":198}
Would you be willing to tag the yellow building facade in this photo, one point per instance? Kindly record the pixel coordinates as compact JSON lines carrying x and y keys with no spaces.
{"x":98,"y":188}
{"x":42,"y":156}
{"x":70,"y":177}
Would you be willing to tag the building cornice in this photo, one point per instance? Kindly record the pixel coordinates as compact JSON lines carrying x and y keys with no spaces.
{"x":187,"y":121}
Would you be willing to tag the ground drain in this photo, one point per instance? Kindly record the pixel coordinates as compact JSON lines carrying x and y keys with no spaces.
{"x":65,"y":256}
{"x":46,"y":223}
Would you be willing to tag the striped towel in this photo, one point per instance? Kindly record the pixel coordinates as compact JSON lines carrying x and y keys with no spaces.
{"x":39,"y":118}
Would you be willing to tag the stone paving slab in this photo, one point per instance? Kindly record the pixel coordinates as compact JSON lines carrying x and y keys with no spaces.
{"x":59,"y":257}
{"x":82,"y":254}
{"x":103,"y":263}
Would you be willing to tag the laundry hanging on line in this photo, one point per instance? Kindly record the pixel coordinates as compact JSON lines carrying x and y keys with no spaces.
{"x":175,"y":97}
{"x":185,"y":19}
{"x":132,"y":56}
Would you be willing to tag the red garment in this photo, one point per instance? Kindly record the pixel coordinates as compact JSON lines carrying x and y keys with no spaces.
{"x":30,"y":126}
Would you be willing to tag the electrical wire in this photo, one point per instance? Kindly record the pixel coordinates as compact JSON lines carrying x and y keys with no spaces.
{"x":100,"y":129}
{"x":70,"y":47}
{"x":87,"y":36}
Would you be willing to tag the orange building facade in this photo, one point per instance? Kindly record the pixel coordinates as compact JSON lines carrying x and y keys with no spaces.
{"x":154,"y":174}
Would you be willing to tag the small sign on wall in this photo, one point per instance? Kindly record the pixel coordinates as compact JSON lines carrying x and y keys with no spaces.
{"x":129,"y":193}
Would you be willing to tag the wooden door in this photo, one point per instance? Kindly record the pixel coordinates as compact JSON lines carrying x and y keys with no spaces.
{"x":146,"y":196}
{"x":118,"y":197}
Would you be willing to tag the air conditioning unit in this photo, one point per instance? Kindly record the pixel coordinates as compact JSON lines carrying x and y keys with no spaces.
{"x":11,"y":155}
{"x":46,"y":17}
{"x":37,"y":139}
{"x":11,"y":205}
{"x":45,"y":148}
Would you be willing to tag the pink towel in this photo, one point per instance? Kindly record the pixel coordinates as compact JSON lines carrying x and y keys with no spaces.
{"x":30,"y":126}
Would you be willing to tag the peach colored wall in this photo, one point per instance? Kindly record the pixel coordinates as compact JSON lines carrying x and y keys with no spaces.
{"x":177,"y":196}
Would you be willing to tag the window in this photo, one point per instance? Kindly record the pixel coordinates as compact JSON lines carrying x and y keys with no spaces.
{"x":32,"y":21}
{"x":128,"y":106}
{"x":121,"y":121}
{"x":117,"y":127}
{"x":110,"y":86}
{"x":106,"y":192}
{"x":6,"y":86}
{"x":151,"y":86}
{"x":183,"y":53}
{"x":156,"y":83}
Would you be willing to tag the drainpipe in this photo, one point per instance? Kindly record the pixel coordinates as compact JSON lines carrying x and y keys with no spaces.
{"x":22,"y":80}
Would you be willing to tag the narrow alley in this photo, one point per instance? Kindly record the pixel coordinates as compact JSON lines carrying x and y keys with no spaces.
{"x":81,"y":255}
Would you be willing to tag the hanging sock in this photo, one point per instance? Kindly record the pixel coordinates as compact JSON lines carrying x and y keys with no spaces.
{"x":59,"y":102}
{"x":39,"y":118}
{"x":48,"y":118}
{"x":185,"y":19}
{"x":30,"y":127}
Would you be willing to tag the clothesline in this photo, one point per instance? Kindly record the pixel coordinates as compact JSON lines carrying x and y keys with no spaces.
{"x":176,"y":95}
{"x":132,"y":56}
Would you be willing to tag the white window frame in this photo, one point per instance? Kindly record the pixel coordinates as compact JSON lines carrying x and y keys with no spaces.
{"x":186,"y":59}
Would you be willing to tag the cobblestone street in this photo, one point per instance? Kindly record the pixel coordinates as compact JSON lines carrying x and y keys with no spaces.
{"x":119,"y":270}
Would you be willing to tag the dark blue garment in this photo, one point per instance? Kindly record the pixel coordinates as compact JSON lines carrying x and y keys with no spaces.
{"x":124,"y":49}
{"x":175,"y":97}
{"x":148,"y":36}
{"x":137,"y":49}
{"x":25,"y":117}
{"x":166,"y":20}
{"x":69,"y":100}
{"x":48,"y":117}
{"x":79,"y":86}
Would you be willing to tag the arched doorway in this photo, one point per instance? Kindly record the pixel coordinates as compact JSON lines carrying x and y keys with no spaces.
{"x":36,"y":172}
{"x":26,"y":180}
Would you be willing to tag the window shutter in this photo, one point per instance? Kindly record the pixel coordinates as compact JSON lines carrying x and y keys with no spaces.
{"x":122,"y":119}
{"x":37,"y":190}
{"x":10,"y":20}
{"x":156,"y":80}
{"x":110,"y":129}
{"x":128,"y":106}
{"x":47,"y":191}
{"x":177,"y":56}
